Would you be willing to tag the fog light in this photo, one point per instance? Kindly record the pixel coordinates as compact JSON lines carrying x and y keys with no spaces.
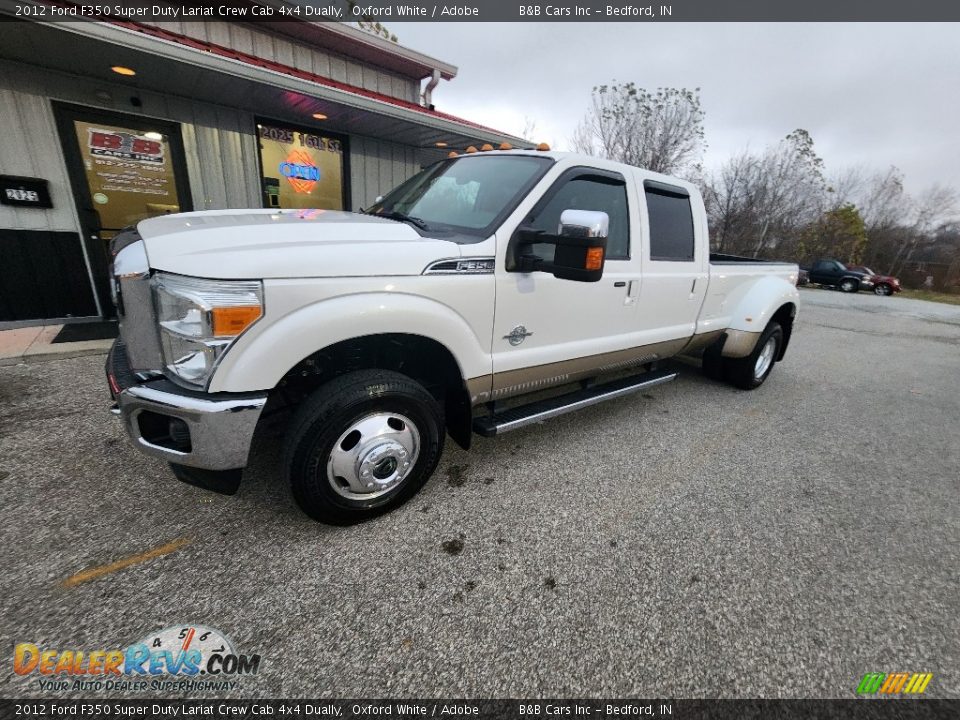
{"x":179,"y":435}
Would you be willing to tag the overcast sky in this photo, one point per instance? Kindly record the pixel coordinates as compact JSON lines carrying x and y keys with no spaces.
{"x":871,"y":93}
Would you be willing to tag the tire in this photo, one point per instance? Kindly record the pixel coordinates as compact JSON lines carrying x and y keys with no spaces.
{"x":883,"y":289}
{"x":750,"y":372}
{"x":849,"y":285}
{"x":349,"y":440}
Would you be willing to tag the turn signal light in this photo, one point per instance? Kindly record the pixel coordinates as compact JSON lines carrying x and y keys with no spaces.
{"x":594,"y":259}
{"x":231,"y":321}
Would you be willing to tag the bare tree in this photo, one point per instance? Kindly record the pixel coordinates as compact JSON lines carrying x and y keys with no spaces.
{"x":661,"y":131}
{"x":529,"y":131}
{"x":759,"y":204}
{"x":938,"y":205}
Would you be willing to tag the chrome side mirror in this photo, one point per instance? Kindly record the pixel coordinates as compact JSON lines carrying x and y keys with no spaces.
{"x":580,"y":247}
{"x":584,"y":224}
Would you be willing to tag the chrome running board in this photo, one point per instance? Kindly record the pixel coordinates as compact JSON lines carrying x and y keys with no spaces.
{"x":518,"y":417}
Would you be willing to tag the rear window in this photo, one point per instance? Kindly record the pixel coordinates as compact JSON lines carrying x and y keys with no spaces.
{"x":671,"y":223}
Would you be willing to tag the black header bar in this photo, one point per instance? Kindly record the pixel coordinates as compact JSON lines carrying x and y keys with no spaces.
{"x":452,"y":709}
{"x":618,"y":11}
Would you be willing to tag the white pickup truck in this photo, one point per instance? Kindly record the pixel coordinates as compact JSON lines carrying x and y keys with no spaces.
{"x":490,"y":291}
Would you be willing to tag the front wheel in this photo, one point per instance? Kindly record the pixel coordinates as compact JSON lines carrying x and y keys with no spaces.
{"x":751,"y":371}
{"x":363,"y":444}
{"x":849,"y":285}
{"x":883,"y":289}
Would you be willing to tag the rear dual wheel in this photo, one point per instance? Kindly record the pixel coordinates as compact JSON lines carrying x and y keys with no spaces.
{"x":751,"y":371}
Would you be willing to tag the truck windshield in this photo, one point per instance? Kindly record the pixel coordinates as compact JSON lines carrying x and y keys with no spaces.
{"x":467,"y":195}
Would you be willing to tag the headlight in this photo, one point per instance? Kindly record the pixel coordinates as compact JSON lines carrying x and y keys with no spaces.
{"x":199,"y":319}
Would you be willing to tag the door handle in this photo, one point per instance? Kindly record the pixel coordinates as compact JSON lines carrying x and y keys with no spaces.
{"x":633,"y":291}
{"x":620,"y":283}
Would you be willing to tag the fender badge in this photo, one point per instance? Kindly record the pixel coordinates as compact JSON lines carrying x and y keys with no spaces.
{"x":517,"y":335}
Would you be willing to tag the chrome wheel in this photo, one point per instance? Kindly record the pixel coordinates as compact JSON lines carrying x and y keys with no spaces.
{"x":765,"y":359}
{"x":373,"y":456}
{"x":847,"y":286}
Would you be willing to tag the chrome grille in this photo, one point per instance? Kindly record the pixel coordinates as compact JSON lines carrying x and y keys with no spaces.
{"x":138,"y":327}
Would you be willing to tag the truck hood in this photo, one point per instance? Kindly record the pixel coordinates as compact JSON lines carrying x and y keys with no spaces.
{"x":262,"y":244}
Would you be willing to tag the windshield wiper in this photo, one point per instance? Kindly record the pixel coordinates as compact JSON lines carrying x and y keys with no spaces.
{"x":402,"y":217}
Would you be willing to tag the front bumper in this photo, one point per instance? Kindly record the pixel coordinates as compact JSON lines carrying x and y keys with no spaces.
{"x":200,"y":430}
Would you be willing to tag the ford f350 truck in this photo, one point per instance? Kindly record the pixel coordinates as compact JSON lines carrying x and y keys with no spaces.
{"x":490,"y":291}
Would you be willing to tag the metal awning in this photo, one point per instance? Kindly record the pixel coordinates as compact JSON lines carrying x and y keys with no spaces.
{"x":185,"y":69}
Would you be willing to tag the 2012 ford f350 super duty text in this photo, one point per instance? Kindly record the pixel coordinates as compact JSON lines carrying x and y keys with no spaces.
{"x":489,"y":291}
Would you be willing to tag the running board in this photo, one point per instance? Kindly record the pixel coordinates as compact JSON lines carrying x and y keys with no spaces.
{"x":518,"y":417}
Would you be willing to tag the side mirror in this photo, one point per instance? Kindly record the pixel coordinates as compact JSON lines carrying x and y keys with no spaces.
{"x":580,"y":247}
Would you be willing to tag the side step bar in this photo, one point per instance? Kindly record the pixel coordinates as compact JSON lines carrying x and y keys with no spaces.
{"x":518,"y":417}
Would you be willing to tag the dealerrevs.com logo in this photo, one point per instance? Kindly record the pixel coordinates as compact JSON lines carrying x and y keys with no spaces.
{"x":181,"y":657}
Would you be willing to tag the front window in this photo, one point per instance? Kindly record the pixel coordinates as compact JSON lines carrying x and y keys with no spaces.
{"x":466,"y":195}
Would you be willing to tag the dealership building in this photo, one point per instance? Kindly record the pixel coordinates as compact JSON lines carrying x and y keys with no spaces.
{"x":106,"y":123}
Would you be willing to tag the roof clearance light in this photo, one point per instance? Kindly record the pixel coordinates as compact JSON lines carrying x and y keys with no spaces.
{"x":543,"y":147}
{"x":506,"y":146}
{"x":152,"y":135}
{"x":470,"y":150}
{"x":453,"y":153}
{"x":121,"y":70}
{"x":486,"y":147}
{"x":319,"y":116}
{"x":440,"y":144}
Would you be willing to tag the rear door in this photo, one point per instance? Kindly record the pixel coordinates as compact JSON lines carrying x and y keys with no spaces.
{"x":675,"y":265}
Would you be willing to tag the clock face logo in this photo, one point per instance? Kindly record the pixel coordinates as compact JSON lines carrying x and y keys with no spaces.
{"x":199,"y":641}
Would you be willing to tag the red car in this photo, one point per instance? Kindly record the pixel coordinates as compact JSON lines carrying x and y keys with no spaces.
{"x":882,"y":284}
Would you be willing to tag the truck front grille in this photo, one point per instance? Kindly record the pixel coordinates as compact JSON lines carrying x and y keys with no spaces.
{"x":138,"y":326}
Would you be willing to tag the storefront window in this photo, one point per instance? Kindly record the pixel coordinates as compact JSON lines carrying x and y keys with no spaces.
{"x":300,"y":169}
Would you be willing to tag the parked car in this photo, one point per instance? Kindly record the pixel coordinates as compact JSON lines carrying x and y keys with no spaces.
{"x":803,"y":277}
{"x":882,"y":284}
{"x":485,"y":277}
{"x":833,"y":273}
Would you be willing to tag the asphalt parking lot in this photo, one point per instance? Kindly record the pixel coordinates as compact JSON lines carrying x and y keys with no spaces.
{"x":696,"y":541}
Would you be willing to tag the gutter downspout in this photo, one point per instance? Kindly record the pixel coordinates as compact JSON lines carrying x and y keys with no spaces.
{"x":427,"y":95}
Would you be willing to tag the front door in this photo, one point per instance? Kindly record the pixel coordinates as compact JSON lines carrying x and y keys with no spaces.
{"x":123,"y":169}
{"x":549,"y":331}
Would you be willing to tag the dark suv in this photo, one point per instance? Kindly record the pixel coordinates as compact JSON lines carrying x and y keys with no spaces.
{"x":835,"y":274}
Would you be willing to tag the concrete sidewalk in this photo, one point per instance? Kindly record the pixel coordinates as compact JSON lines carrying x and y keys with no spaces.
{"x":35,"y":344}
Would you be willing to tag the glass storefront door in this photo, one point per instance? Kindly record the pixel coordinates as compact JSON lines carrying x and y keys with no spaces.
{"x":123,"y":169}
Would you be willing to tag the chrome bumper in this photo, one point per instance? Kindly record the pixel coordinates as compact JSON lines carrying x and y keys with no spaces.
{"x":220,"y":430}
{"x":213,"y":432}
